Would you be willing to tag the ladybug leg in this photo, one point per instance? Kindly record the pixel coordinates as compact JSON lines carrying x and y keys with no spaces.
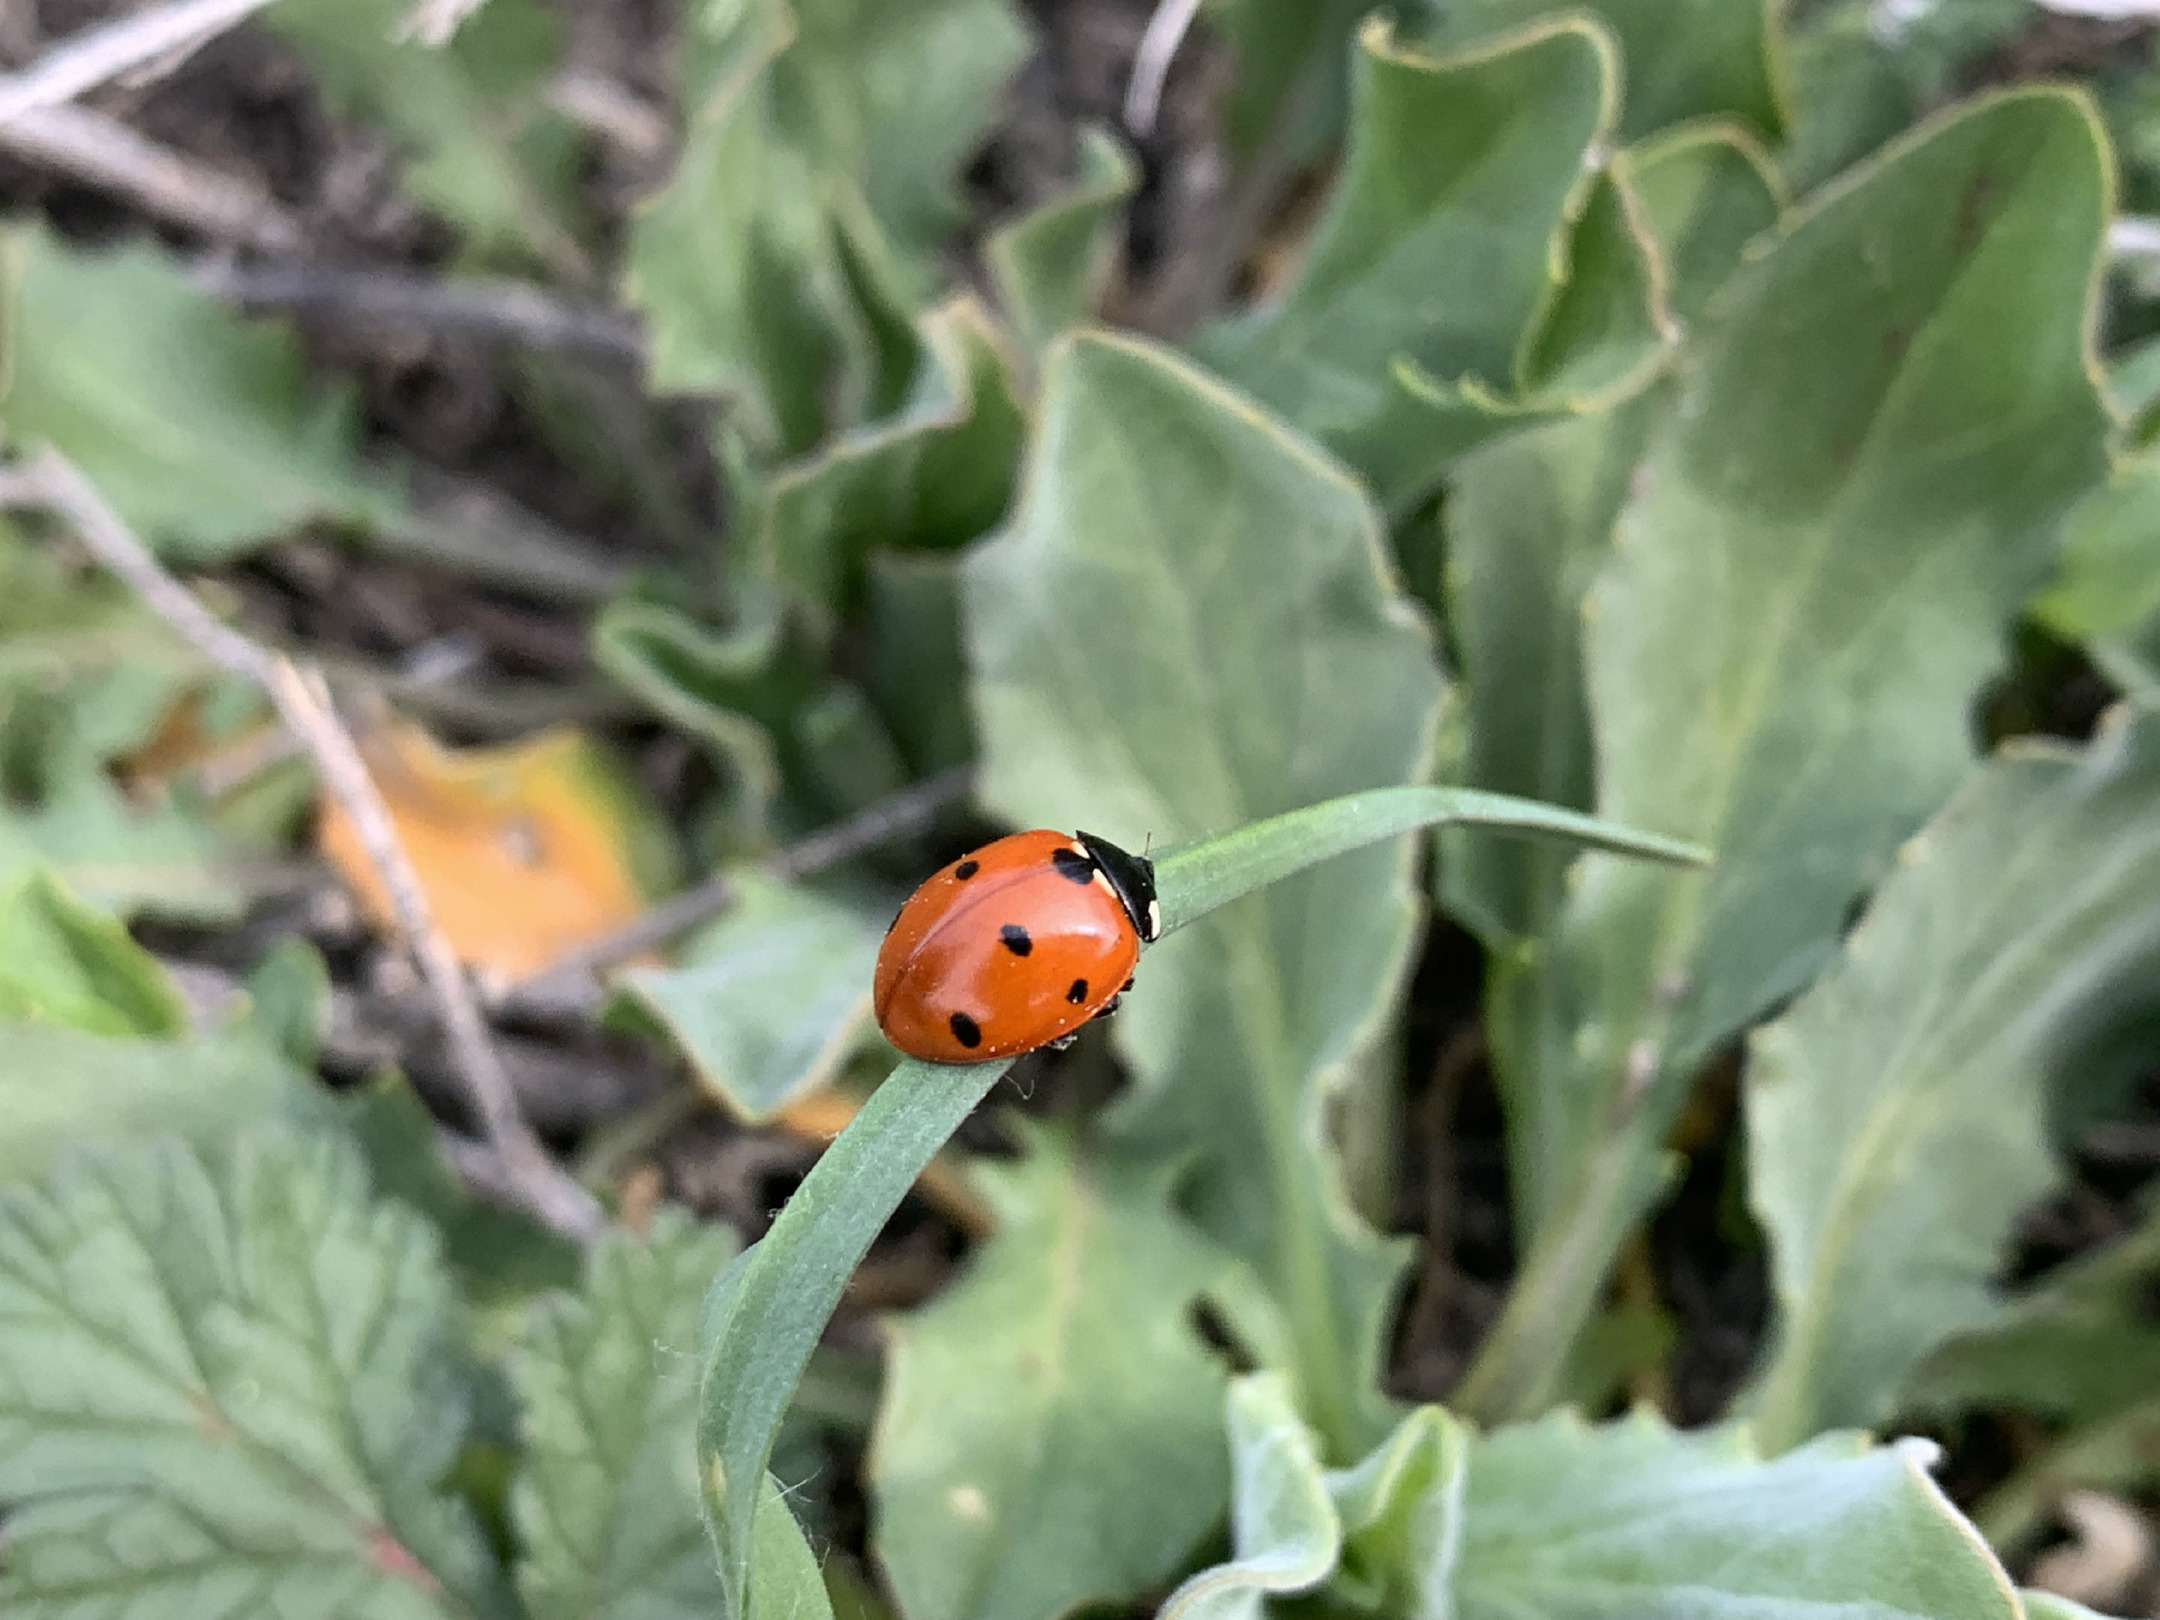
{"x":1109,"y":1006}
{"x":1062,"y":1042}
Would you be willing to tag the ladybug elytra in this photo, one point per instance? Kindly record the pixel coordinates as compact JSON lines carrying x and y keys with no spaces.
{"x":1014,"y":946}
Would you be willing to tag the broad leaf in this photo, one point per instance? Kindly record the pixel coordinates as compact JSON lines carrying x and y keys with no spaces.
{"x":770,"y":999}
{"x":1529,"y":525}
{"x":1285,"y":1535}
{"x":204,"y":431}
{"x":1049,"y":1436}
{"x":1189,"y":626}
{"x":471,"y":116}
{"x":230,"y":1391}
{"x":811,"y":198}
{"x":1051,"y":265}
{"x":2108,"y":593}
{"x":1632,"y":1519}
{"x":1856,"y":489}
{"x":606,"y":1495}
{"x":1898,"y":1113}
{"x":933,"y":477}
{"x":1449,"y":289}
{"x":1686,"y":59}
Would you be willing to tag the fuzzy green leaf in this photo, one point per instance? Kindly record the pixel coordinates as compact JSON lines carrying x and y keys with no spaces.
{"x":1856,"y":489}
{"x":230,"y":1391}
{"x":811,"y":198}
{"x":771,"y":999}
{"x":1285,"y":1536}
{"x":1049,"y":1436}
{"x":606,"y":1497}
{"x":934,"y":476}
{"x":1686,"y":59}
{"x":1448,"y":290}
{"x":1898,"y":1113}
{"x":1051,"y":265}
{"x":471,"y":117}
{"x":1574,"y":1523}
{"x":2107,"y":595}
{"x":1191,"y":625}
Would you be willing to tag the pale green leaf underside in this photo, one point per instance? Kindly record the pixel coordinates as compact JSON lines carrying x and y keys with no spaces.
{"x":1898,"y":1114}
{"x":1049,"y":1436}
{"x":768,"y":1001}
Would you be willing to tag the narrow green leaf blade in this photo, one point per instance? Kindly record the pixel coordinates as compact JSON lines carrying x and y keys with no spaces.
{"x":1049,"y":1432}
{"x":606,"y":1497}
{"x":1898,"y":1112}
{"x":765,"y":1312}
{"x":232,"y":1391}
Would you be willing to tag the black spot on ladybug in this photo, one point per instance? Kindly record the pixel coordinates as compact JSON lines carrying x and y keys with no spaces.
{"x":966,"y":870}
{"x":1016,"y":939}
{"x":1077,"y":995}
{"x":966,"y":1031}
{"x":1070,"y":863}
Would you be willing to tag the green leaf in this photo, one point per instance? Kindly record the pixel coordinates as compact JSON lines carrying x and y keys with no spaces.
{"x":1614,"y":1523}
{"x":1286,"y":104}
{"x":2079,"y":1346}
{"x":1474,"y":265}
{"x":1049,"y":1436}
{"x":62,"y":962}
{"x":63,"y":1086}
{"x":1285,"y":1535}
{"x":1051,"y":265}
{"x":501,"y":1257}
{"x":771,"y":999}
{"x":1401,"y":1512}
{"x":933,"y":477}
{"x":811,"y":197}
{"x":1529,"y":525}
{"x":205,"y":432}
{"x":606,"y":1497}
{"x":2107,"y":595}
{"x":230,"y":1391}
{"x":471,"y":117}
{"x":1120,"y":687}
{"x":1857,"y":487}
{"x":1686,"y":59}
{"x":1898,"y":1112}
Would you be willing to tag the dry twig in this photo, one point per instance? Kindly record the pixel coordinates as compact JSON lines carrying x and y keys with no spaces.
{"x":500,"y":311}
{"x":303,"y":702}
{"x":1166,"y":31}
{"x":98,"y":55}
{"x":104,"y":152}
{"x":569,"y":987}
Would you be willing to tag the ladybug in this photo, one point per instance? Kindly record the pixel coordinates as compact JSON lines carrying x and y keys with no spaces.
{"x":1014,"y":946}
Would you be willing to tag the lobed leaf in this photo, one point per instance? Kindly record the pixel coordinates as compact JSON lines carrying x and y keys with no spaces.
{"x":606,"y":1495}
{"x":1052,"y":265}
{"x":229,"y":1391}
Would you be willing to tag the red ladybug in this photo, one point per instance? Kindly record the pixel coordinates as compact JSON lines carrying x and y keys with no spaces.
{"x":1014,"y":947}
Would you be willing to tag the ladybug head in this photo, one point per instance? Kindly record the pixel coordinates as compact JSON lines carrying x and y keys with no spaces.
{"x":1133,"y":877}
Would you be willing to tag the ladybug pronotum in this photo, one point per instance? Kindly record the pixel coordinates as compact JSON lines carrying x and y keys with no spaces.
{"x":1014,"y":946}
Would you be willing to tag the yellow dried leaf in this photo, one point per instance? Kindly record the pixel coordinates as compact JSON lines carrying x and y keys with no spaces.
{"x":526,"y":851}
